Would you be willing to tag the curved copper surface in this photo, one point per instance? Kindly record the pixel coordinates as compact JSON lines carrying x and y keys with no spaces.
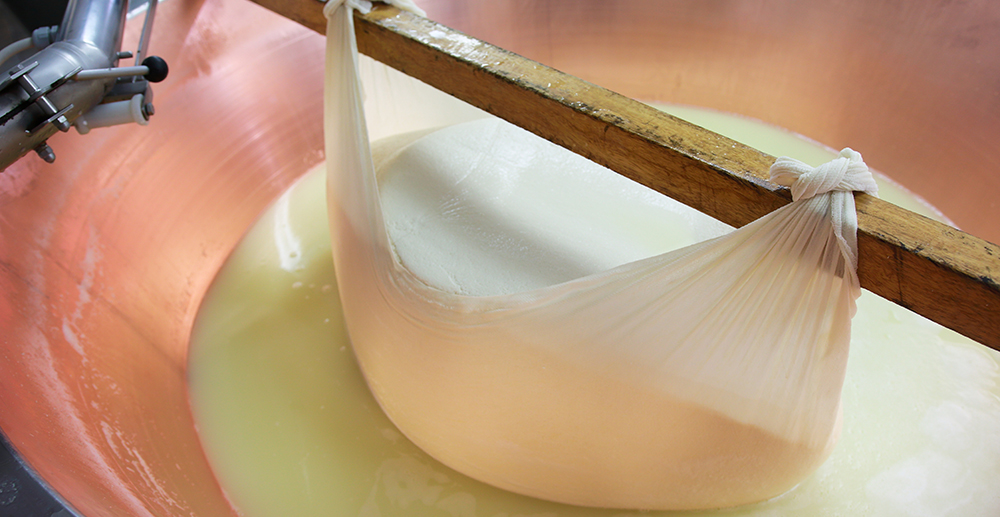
{"x":105,"y":255}
{"x":914,"y":86}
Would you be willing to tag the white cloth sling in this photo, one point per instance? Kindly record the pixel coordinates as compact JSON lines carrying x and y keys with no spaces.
{"x":705,"y":377}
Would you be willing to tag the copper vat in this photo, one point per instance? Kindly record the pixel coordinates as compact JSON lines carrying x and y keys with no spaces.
{"x":106,"y":254}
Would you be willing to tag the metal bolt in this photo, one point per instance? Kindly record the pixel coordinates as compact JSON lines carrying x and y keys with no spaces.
{"x":148,"y":110}
{"x":45,"y":152}
{"x":62,"y":123}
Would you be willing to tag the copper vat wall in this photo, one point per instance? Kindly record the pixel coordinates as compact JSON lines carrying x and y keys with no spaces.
{"x":105,"y":255}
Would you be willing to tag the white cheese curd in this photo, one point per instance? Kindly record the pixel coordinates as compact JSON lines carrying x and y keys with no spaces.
{"x":291,"y":428}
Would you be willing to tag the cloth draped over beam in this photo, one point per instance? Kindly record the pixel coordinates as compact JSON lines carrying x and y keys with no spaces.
{"x":706,"y":377}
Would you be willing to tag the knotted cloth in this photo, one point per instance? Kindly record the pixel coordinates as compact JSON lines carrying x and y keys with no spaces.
{"x":847,"y":173}
{"x":364,"y":6}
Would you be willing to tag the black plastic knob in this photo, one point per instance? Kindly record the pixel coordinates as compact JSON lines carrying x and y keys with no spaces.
{"x":157,"y":68}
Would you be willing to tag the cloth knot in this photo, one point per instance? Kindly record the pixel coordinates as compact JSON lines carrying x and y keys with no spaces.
{"x":359,"y":5}
{"x":846,"y":173}
{"x":364,"y":6}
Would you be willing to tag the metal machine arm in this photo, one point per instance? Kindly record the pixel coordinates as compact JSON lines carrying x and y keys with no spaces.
{"x":74,"y":80}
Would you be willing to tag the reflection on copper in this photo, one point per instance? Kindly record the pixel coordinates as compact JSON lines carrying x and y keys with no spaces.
{"x":917,"y":90}
{"x":105,"y":258}
{"x":105,"y":255}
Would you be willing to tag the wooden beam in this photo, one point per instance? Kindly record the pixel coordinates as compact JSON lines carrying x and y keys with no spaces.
{"x":944,"y":274}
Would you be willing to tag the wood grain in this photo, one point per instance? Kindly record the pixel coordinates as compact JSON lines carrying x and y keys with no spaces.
{"x":944,"y":274}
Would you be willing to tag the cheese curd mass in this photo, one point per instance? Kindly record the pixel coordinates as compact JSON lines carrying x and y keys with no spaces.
{"x":705,"y":377}
{"x":291,"y":428}
{"x":658,"y":383}
{"x":484,"y":209}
